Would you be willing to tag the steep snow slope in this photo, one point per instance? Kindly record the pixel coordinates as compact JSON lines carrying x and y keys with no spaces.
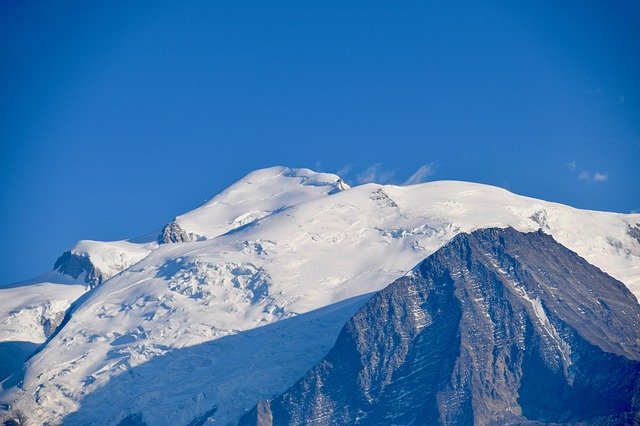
{"x":29,"y":309}
{"x":96,"y":261}
{"x":217,"y":324}
{"x":29,"y":312}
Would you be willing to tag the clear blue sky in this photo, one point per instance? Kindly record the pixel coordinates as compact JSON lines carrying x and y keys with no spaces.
{"x":116,"y":117}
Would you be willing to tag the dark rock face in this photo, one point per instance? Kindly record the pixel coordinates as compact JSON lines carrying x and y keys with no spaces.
{"x":52,"y":322}
{"x":634,"y":231}
{"x":173,"y":233}
{"x":496,"y":327}
{"x":74,"y":265}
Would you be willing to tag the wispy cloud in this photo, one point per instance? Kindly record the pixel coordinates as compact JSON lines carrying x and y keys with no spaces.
{"x":344,"y":170}
{"x":600,"y":177}
{"x":375,"y":173}
{"x":595,"y":177}
{"x":584,"y":175}
{"x":421,"y":174}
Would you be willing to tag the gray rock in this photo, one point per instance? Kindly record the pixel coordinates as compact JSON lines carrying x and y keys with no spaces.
{"x":496,"y":327}
{"x":634,"y":232}
{"x":52,"y":322}
{"x":173,"y":233}
{"x":75,"y":265}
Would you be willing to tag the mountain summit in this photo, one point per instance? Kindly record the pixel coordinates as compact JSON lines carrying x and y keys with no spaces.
{"x":496,"y":327}
{"x":256,"y":195}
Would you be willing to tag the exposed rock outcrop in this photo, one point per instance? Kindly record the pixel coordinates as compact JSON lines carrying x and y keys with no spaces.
{"x":173,"y":233}
{"x":634,"y":232}
{"x":496,"y":327}
{"x":75,"y":265}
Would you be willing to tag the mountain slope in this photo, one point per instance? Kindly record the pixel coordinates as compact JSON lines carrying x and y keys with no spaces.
{"x":497,"y":327}
{"x":29,"y":313}
{"x":31,"y":310}
{"x":258,"y":194}
{"x":180,"y":307}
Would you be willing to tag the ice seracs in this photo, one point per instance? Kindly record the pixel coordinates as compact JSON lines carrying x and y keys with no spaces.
{"x":30,"y":311}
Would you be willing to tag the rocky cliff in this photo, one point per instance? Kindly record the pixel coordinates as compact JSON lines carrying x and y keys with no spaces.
{"x":76,"y":265}
{"x":173,"y":233}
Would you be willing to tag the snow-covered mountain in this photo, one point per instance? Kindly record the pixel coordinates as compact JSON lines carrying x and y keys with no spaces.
{"x":257,"y":287}
{"x":31,"y":310}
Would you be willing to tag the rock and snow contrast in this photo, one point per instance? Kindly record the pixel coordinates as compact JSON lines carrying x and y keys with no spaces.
{"x":233,"y":302}
{"x":496,"y":327}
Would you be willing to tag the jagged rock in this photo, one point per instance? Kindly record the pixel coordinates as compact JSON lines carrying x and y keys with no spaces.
{"x":173,"y":233}
{"x":634,"y":232}
{"x":75,"y":265}
{"x":383,"y":199}
{"x":496,"y":327}
{"x":50,"y":324}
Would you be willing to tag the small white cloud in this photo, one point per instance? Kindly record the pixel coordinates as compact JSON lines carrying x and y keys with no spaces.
{"x":571,"y":165}
{"x":596,"y":177}
{"x":421,"y":174}
{"x":344,"y":170}
{"x":375,"y":173}
{"x":369,"y":175}
{"x":621,"y":100}
{"x":600,"y":177}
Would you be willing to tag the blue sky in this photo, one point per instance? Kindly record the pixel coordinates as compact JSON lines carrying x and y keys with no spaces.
{"x":117,"y":117}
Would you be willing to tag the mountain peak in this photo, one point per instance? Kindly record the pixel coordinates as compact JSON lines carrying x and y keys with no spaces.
{"x":255,"y":196}
{"x":496,"y":327}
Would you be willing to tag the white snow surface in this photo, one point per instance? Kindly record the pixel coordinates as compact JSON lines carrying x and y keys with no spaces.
{"x":29,"y":312}
{"x":26,"y":307}
{"x":258,"y":194}
{"x":111,"y":257}
{"x":285,"y":257}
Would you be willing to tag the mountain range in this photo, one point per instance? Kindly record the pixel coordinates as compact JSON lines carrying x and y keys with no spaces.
{"x":237,"y":301}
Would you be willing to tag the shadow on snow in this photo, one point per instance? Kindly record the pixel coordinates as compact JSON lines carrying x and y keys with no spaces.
{"x":223,"y":377}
